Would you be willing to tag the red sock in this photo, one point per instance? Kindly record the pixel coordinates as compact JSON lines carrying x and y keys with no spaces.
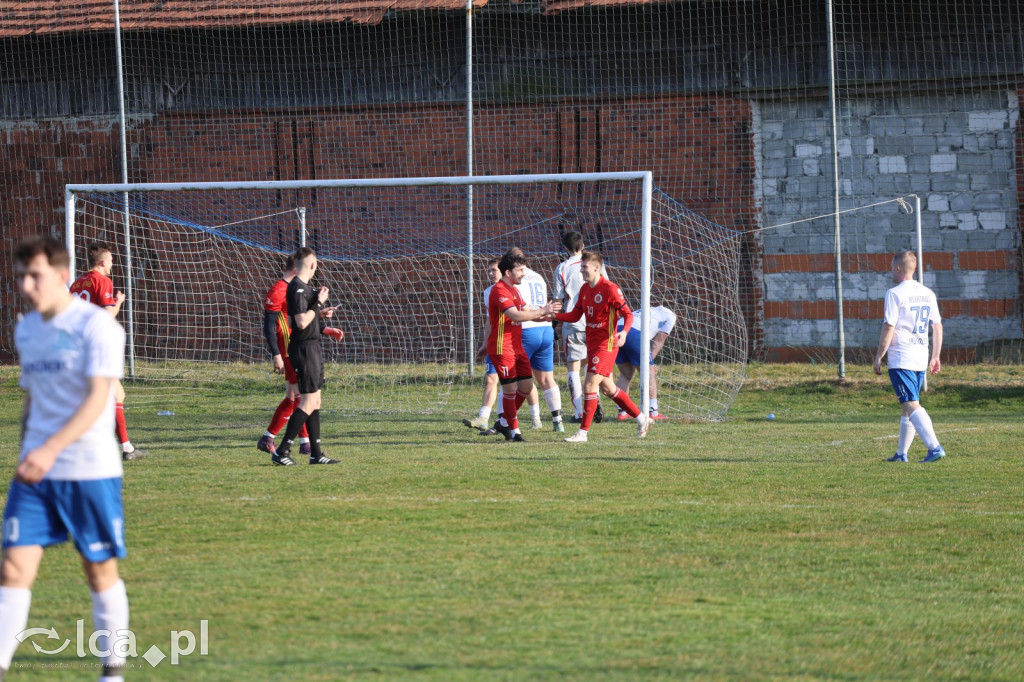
{"x":623,"y":400}
{"x":589,"y":408}
{"x":520,"y":399}
{"x":303,"y":432}
{"x":122,"y":430}
{"x":510,"y":406}
{"x":281,"y":414}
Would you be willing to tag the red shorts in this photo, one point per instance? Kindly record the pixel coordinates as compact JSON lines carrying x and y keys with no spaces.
{"x":289,"y":372}
{"x":601,"y":361}
{"x":509,"y":366}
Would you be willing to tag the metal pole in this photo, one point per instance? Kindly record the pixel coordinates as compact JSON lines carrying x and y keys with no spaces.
{"x":129,"y":273}
{"x":302,"y":225}
{"x":920,"y":259}
{"x":837,"y":238}
{"x":645,"y":295}
{"x":69,"y":229}
{"x":470,"y":335}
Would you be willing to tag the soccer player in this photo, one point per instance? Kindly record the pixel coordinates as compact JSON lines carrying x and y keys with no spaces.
{"x":277,"y":333}
{"x":910,"y":309}
{"x":539,"y":345}
{"x":628,"y":359}
{"x":603,"y":303}
{"x":96,"y":287}
{"x":507,"y":311}
{"x":68,"y":479}
{"x":305,"y":315}
{"x":567,"y":283}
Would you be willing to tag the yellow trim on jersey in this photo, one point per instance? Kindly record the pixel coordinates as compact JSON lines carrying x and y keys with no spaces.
{"x":613,"y":315}
{"x":501,"y":333}
{"x":282,"y":324}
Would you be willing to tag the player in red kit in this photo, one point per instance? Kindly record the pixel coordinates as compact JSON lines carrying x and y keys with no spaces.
{"x":601,"y":300}
{"x":277,"y":334}
{"x":96,"y":287}
{"x":506,"y":310}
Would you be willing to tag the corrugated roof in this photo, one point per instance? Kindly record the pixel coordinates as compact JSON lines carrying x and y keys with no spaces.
{"x":37,"y":17}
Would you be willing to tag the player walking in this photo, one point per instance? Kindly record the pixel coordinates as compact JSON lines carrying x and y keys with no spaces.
{"x":277,"y":333}
{"x":507,"y":311}
{"x":96,"y":287}
{"x":602,"y":302}
{"x":539,"y":345}
{"x":305,"y":312}
{"x":910,"y":309}
{"x":68,"y":480}
{"x":662,"y":321}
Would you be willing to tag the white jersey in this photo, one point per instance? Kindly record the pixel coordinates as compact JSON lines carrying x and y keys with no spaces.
{"x":568,"y":282}
{"x":58,"y":357}
{"x":910,"y":307}
{"x":534,"y":291}
{"x":487,"y":298}
{"x":662,"y":320}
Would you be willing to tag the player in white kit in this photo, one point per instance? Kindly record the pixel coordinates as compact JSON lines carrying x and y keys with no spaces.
{"x":910,"y":310}
{"x":68,"y":480}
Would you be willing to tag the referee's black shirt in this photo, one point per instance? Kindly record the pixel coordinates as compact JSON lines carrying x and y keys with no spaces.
{"x":302,"y":297}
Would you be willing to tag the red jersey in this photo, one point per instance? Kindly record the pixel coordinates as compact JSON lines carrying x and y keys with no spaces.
{"x":94,"y":288}
{"x":276,"y":302}
{"x":506,"y":336}
{"x":603,"y":305}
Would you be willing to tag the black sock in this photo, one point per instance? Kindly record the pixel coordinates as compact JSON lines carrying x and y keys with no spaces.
{"x":313,"y":426}
{"x":295,"y":423}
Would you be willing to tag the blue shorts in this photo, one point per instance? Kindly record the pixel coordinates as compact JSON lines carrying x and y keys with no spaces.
{"x":46,"y":512}
{"x":489,"y":366}
{"x":539,"y":344}
{"x":631,"y":351}
{"x":907,"y":383}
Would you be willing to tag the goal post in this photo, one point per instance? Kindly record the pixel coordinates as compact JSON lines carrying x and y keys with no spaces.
{"x":383,"y":229}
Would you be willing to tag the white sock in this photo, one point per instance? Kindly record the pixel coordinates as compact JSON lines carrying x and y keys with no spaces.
{"x":127,"y":446}
{"x":535,"y":411}
{"x":14,"y":603}
{"x":110,"y":612}
{"x":907,"y":433}
{"x":268,"y":434}
{"x":553,"y":397}
{"x":485,"y":412}
{"x":654,"y":406}
{"x":576,"y":391}
{"x":303,"y":440}
{"x":923,"y":423}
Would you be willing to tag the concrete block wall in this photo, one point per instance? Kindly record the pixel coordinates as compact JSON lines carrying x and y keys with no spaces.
{"x":956,"y":152}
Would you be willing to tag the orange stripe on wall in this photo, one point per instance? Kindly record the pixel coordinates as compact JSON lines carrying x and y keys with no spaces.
{"x":879,"y":262}
{"x":872,"y":310}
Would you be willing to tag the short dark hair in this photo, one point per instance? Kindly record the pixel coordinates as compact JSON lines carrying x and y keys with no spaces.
{"x":302,"y":254}
{"x":572,"y":241}
{"x":511,"y":259}
{"x":54,"y":250}
{"x":289,"y":263}
{"x":592,"y":256}
{"x":96,"y":251}
{"x":493,"y":261}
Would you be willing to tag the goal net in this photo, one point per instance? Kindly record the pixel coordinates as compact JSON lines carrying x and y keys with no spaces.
{"x":405,"y":261}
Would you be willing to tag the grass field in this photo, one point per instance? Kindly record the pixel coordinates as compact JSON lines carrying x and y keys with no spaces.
{"x":740,"y":550}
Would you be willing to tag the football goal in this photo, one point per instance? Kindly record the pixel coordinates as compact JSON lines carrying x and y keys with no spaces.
{"x":405,"y":260}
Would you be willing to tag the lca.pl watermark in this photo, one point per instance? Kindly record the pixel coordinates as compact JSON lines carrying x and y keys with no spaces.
{"x":122,"y":643}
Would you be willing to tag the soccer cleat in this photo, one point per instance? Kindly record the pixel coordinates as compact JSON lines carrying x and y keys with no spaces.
{"x":503,"y":430}
{"x":476,"y":423}
{"x":558,"y":426}
{"x":323,"y":459}
{"x":490,"y":431}
{"x":898,"y":457}
{"x":305,"y":449}
{"x":282,"y":458}
{"x":537,"y":424}
{"x":599,"y":414}
{"x":642,"y":426}
{"x":133,"y":455}
{"x":266,"y":444}
{"x":658,"y":417}
{"x":578,"y":437}
{"x":575,"y":420}
{"x":622,"y":416}
{"x":934,"y":455}
{"x":517,"y":438}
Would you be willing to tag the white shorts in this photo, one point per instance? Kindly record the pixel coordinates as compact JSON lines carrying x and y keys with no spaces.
{"x":576,"y":346}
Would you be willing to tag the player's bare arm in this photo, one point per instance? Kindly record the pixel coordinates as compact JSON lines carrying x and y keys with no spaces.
{"x":40,"y":460}
{"x":115,"y":309}
{"x":883,"y":345}
{"x":935,"y":366}
{"x":516,"y":315}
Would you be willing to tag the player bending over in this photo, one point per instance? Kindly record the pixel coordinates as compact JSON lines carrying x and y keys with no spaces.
{"x":910,"y":309}
{"x":602,"y":302}
{"x":628,"y":359}
{"x":68,"y":480}
{"x":96,"y":287}
{"x":277,"y":333}
{"x":305,"y":313}
{"x":507,"y":311}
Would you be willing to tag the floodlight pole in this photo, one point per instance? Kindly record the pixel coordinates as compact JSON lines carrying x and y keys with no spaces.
{"x":470,"y":331}
{"x":837,"y":238}
{"x":129,"y":299}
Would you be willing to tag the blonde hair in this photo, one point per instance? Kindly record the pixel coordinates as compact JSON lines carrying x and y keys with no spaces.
{"x":907,"y":260}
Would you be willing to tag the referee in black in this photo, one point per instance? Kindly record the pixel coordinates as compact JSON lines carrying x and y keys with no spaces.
{"x":305,"y":312}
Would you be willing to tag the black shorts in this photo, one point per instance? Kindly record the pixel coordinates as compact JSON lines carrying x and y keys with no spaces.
{"x":308,"y":361}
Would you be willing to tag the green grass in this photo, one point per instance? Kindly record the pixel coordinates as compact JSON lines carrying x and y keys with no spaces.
{"x":741,"y":550}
